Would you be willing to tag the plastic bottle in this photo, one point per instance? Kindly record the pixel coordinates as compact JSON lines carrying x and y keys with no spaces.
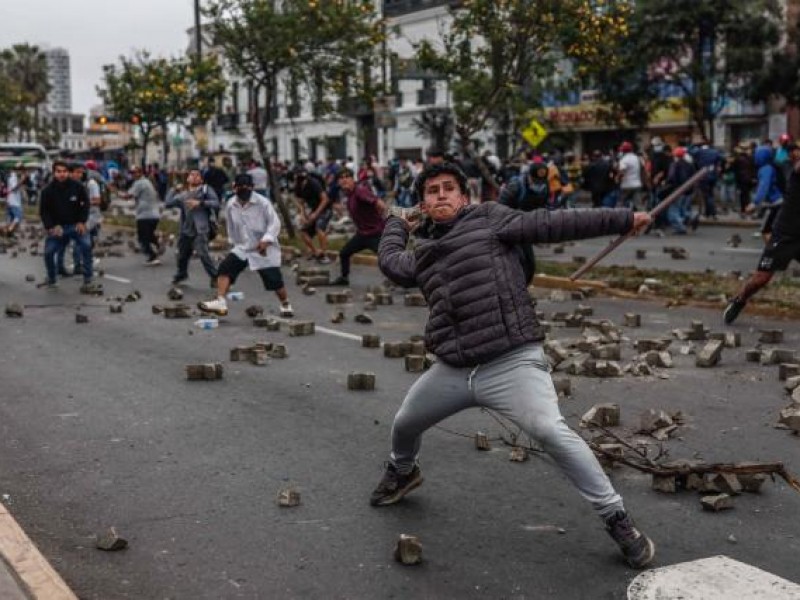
{"x":235,"y":296}
{"x":207,"y":323}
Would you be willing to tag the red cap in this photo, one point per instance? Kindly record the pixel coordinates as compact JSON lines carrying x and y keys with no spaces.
{"x":679,"y":152}
{"x":626,"y":147}
{"x":785,"y":137}
{"x":538,"y":160}
{"x":90,"y":164}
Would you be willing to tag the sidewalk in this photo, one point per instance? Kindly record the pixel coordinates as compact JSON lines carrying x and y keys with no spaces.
{"x":24,"y":573}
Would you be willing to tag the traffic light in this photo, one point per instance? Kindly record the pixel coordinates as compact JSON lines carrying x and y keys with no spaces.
{"x":101,"y":120}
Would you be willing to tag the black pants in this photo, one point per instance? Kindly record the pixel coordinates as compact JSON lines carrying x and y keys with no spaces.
{"x":198,"y":244}
{"x":744,"y":196}
{"x":146,"y":234}
{"x":355,"y":244}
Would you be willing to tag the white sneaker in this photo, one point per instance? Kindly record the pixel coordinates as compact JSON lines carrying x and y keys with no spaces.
{"x":217,"y":307}
{"x":152,"y":263}
{"x":286,"y":310}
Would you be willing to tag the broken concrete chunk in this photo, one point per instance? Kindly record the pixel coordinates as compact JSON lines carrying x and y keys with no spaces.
{"x":267,"y":323}
{"x":771,"y":336}
{"x":258,"y":357}
{"x":337,"y":297}
{"x":414,"y":299}
{"x":776,"y":356}
{"x":603,"y":368}
{"x":254,"y":310}
{"x":563,"y":386}
{"x":177,"y":311}
{"x":725,"y":483}
{"x":369,"y":340}
{"x":710,"y":354}
{"x":667,"y":484}
{"x":651,"y":344}
{"x":557,"y":296}
{"x":752,"y":483}
{"x":792,"y":383}
{"x":115,"y":307}
{"x":30,"y":278}
{"x":717,"y":503}
{"x":787,"y":370}
{"x":633,"y":320}
{"x":482,"y":441}
{"x":361,"y":381}
{"x":604,"y":415}
{"x":415,"y":363}
{"x":555,"y":352}
{"x":641,"y":253}
{"x":518,"y":454}
{"x":363,"y":319}
{"x":396,"y":349}
{"x":790,"y":417}
{"x":175,"y":293}
{"x":240,"y":353}
{"x":300,"y":328}
{"x":652,"y":419}
{"x":14,"y":310}
{"x":81,"y":318}
{"x":607,"y":352}
{"x":664,"y":433}
{"x":208,"y":372}
{"x":753,"y":355}
{"x":611,"y":453}
{"x":384,"y":299}
{"x":289,"y":498}
{"x":278,"y":351}
{"x":110,"y":541}
{"x":408,"y":550}
{"x":308,"y":290}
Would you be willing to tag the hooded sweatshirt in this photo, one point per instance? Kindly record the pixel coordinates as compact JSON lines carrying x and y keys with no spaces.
{"x":767,"y":190}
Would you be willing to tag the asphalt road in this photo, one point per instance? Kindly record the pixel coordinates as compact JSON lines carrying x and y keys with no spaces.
{"x":99,"y":427}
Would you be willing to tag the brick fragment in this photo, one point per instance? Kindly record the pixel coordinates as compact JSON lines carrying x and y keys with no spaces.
{"x":415,"y":363}
{"x":254,"y":310}
{"x":369,"y":340}
{"x":177,"y":311}
{"x":337,"y":297}
{"x":300,"y":328}
{"x":278,"y":351}
{"x":641,"y":253}
{"x":717,"y":503}
{"x":710,"y":354}
{"x":518,"y":454}
{"x":666,"y":484}
{"x":288,"y":498}
{"x":482,"y":441}
{"x":787,"y":370}
{"x":563,"y":386}
{"x":605,"y":415}
{"x":110,"y":541}
{"x":408,"y":550}
{"x":414,"y":299}
{"x":175,"y":293}
{"x":753,"y":355}
{"x":776,"y":356}
{"x":81,"y":318}
{"x":384,"y":299}
{"x":633,"y":320}
{"x":361,"y":381}
{"x":209,"y":372}
{"x":15,"y":310}
{"x":267,"y":323}
{"x":771,"y":336}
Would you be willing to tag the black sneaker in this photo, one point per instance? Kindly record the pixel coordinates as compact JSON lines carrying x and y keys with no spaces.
{"x":64,"y":273}
{"x":179,"y":278}
{"x":732,"y":311}
{"x":638,"y":549}
{"x":341,"y":281}
{"x":394,"y":486}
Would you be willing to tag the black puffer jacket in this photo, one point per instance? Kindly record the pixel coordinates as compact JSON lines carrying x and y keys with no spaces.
{"x":470,"y":273}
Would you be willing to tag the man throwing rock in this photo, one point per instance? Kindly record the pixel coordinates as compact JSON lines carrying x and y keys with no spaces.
{"x":253,"y":229}
{"x":485,"y":335}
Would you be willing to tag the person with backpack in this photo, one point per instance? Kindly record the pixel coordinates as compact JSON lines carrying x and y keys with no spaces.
{"x":783,"y":246}
{"x":367,"y":212}
{"x":148,"y":214}
{"x":769,"y":189}
{"x":199,"y":205}
{"x":487,"y":339}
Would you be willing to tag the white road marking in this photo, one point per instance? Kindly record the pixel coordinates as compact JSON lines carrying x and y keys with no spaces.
{"x":744,"y":250}
{"x":117,"y":279}
{"x":325,"y":330}
{"x":715,"y":578}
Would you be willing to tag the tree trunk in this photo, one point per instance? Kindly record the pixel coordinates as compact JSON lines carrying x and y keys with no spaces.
{"x":145,"y":140}
{"x":165,"y":144}
{"x":274,"y":185}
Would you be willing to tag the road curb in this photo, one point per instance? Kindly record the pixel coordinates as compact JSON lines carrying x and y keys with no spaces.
{"x":37,"y":579}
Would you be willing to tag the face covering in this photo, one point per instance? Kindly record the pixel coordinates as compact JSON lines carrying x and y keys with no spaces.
{"x":244,"y":194}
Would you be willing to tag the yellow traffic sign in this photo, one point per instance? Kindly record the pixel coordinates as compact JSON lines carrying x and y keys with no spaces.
{"x":534,"y":133}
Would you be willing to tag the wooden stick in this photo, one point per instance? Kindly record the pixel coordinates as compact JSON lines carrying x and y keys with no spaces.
{"x":657,"y":210}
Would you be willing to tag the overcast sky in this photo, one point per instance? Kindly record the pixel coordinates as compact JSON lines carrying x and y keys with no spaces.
{"x":97,"y":32}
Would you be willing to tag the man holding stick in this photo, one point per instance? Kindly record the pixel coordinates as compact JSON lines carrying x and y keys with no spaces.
{"x":485,"y":335}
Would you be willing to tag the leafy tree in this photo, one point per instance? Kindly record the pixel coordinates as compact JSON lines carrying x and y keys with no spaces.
{"x":499,"y":55}
{"x":708,"y":52}
{"x":25,"y":70}
{"x":438,"y":125}
{"x":153,"y":93}
{"x":327,"y":48}
{"x":781,"y":78}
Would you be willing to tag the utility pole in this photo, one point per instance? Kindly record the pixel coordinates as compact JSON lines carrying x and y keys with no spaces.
{"x":198,"y":37}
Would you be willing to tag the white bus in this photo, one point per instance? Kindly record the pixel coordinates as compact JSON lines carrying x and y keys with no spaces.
{"x":32,"y":156}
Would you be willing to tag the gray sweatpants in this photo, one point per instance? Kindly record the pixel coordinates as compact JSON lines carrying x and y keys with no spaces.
{"x":518,"y":386}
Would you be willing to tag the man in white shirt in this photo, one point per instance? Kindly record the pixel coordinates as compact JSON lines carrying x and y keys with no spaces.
{"x":631,"y":172}
{"x":15,"y":183}
{"x":253,"y":227}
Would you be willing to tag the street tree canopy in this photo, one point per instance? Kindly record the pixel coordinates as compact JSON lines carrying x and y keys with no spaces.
{"x":23,"y":89}
{"x":498,"y":56}
{"x":781,"y":78}
{"x":329,"y":49}
{"x":153,"y":93}
{"x":699,"y":54}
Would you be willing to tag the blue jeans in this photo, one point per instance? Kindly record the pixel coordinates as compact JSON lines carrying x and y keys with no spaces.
{"x":676,"y":213}
{"x":610,"y":199}
{"x":53,"y":246}
{"x":404,"y":198}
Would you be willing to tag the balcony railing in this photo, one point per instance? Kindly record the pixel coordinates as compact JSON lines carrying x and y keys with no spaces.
{"x":394,"y":8}
{"x":293,"y":111}
{"x":353,"y":107}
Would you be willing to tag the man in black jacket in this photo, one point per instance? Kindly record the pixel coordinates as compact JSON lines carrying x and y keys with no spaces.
{"x":64,"y":210}
{"x":485,"y":335}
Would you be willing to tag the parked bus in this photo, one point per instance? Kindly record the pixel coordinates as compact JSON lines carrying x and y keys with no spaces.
{"x":32,"y":156}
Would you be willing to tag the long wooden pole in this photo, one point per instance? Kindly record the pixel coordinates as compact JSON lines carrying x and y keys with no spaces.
{"x":657,"y":210}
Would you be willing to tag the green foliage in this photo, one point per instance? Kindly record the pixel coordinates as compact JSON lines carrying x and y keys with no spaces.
{"x":156,"y":92}
{"x":781,"y":78}
{"x":24,"y":87}
{"x":498,"y":55}
{"x":710,"y":51}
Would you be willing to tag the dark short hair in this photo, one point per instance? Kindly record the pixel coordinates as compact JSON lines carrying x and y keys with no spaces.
{"x":446,"y":168}
{"x":60,"y":163}
{"x":344,"y":173}
{"x":243,"y":179}
{"x":75,"y":166}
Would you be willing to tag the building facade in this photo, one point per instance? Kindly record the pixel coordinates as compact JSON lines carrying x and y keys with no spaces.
{"x":59,"y":100}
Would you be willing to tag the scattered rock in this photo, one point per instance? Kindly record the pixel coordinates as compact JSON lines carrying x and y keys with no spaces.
{"x":204,"y":372}
{"x":415,"y":363}
{"x":337,"y":297}
{"x":267,"y":323}
{"x":633,"y":320}
{"x":787,"y":370}
{"x":115,"y":307}
{"x":408,"y":550}
{"x":717,"y":503}
{"x":363,"y":319}
{"x":301,"y":328}
{"x":254,"y":310}
{"x":604,"y":415}
{"x":110,"y":541}
{"x":81,"y":318}
{"x":710,"y":354}
{"x":651,"y":420}
{"x":369,"y":340}
{"x":175,"y":293}
{"x":414,"y":299}
{"x":666,"y":484}
{"x":771,"y":336}
{"x":482,"y":441}
{"x":361,"y":381}
{"x":289,"y":498}
{"x":15,"y":310}
{"x":518,"y":454}
{"x":338,"y":317}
